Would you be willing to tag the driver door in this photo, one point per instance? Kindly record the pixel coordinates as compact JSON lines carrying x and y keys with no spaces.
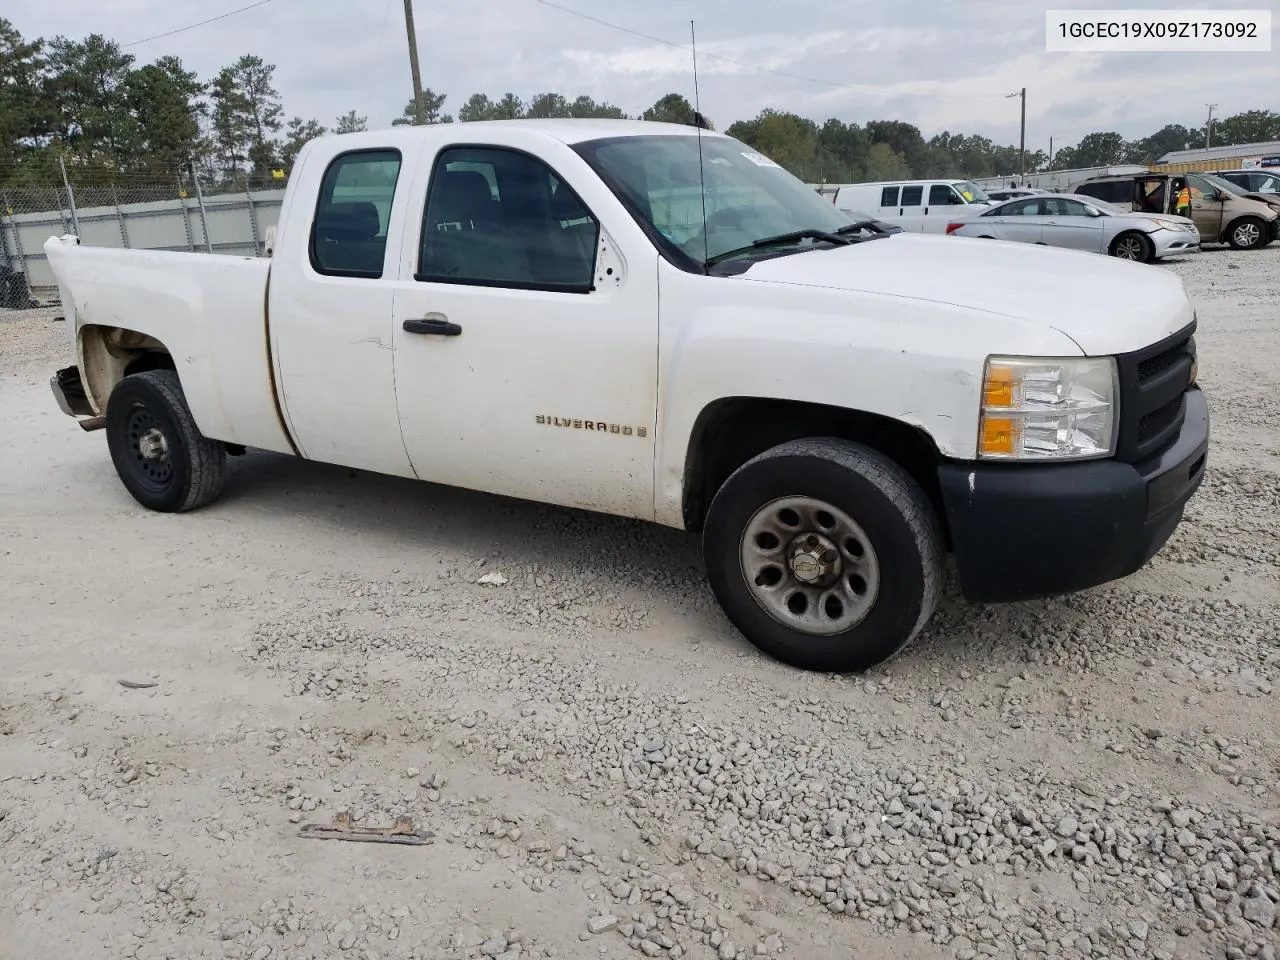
{"x":526,"y":341}
{"x":1206,"y":210}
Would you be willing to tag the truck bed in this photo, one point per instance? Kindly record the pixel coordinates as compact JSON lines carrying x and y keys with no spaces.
{"x":208,"y":310}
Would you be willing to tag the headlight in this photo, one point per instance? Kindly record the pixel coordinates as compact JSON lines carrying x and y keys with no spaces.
{"x":1048,"y":409}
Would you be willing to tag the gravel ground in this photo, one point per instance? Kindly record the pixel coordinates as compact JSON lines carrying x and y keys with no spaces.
{"x":607,"y":768}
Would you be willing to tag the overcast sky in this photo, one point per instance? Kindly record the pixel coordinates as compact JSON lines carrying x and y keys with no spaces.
{"x":941,"y":64}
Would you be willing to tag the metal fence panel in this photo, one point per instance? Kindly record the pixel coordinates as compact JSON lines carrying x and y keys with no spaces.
{"x":233,"y":223}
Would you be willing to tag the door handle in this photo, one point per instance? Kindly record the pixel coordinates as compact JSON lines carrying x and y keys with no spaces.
{"x":434,"y":326}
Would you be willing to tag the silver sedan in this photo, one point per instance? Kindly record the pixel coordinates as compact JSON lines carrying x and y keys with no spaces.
{"x":1065,"y":220}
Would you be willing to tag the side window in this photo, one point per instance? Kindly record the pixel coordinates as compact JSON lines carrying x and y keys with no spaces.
{"x":502,"y":218}
{"x":889,"y":197}
{"x":349,"y":233}
{"x":940,"y":194}
{"x":1068,"y":208}
{"x":911,"y":196}
{"x":1023,"y":208}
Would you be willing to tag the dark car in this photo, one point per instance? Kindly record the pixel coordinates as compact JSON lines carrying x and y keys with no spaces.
{"x":1254,"y":181}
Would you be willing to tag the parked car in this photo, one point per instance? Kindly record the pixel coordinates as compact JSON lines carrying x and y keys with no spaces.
{"x":918,"y":206}
{"x":500,"y":306}
{"x":1063,"y":220}
{"x":1220,"y":213}
{"x":1272,"y":200}
{"x":1254,"y":181}
{"x":1013,"y":193}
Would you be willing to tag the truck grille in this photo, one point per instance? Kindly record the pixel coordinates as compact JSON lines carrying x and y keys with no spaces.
{"x":1153,"y":387}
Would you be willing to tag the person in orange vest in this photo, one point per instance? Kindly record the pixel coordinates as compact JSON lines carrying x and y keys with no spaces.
{"x":1183,"y":208}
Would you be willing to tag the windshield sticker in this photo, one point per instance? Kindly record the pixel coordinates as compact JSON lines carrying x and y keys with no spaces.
{"x":967,"y":195}
{"x":759,"y":159}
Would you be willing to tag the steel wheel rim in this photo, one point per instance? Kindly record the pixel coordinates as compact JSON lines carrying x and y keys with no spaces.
{"x":148,"y":449}
{"x":1129,"y":249}
{"x":809,"y":565}
{"x":1246,"y":234}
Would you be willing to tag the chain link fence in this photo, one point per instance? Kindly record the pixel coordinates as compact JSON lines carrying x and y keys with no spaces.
{"x":130,"y":213}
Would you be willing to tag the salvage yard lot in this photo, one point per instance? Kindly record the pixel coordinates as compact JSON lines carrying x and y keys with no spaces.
{"x":610,"y":771}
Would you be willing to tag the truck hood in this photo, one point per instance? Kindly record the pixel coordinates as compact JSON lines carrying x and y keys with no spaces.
{"x":1103,"y":304}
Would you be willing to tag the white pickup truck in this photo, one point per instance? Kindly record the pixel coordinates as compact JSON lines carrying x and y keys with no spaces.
{"x":647,"y":321}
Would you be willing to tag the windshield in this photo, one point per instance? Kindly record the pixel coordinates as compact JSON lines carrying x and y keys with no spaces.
{"x":748,"y":196}
{"x":970,"y":191}
{"x":1268,"y":184}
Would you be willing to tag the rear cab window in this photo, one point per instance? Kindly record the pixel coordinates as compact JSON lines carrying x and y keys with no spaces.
{"x":349,"y":231}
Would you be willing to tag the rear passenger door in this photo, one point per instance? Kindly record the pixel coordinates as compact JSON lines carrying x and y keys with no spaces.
{"x":1019,"y":221}
{"x":329,"y":316}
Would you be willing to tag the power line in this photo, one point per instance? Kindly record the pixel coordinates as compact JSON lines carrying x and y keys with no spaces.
{"x":192,"y":26}
{"x":755,"y":66}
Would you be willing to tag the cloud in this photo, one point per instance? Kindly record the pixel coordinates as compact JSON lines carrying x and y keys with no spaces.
{"x":941,"y":64}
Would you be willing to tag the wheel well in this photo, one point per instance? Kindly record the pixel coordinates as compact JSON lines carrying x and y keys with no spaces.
{"x":731,"y":431}
{"x":112,"y":353}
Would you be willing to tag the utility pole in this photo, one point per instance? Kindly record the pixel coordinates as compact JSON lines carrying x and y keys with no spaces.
{"x":419,"y":108}
{"x":1051,"y":151}
{"x":1208,"y":130}
{"x":1022,"y":139}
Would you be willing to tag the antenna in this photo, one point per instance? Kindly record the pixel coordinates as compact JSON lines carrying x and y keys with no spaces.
{"x":697,"y":123}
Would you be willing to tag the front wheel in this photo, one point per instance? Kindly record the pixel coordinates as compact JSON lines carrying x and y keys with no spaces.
{"x":824,"y":554}
{"x":160,"y":455}
{"x":1248,"y":233}
{"x":1133,"y":246}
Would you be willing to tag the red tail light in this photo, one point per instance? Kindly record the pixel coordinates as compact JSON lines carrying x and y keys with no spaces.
{"x":953,"y":227}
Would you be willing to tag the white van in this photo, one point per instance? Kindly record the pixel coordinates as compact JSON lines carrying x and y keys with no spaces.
{"x":918,"y":206}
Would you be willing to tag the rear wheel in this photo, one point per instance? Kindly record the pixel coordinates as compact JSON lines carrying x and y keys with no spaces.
{"x":1133,"y":246}
{"x":1248,"y":233}
{"x":825,"y":554}
{"x":160,"y":455}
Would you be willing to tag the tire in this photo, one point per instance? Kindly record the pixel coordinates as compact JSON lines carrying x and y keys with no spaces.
{"x":1248,"y":233}
{"x":883,"y":534}
{"x":1134,"y":246}
{"x":160,"y":455}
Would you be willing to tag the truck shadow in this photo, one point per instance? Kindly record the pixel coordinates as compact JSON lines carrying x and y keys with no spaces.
{"x":659,"y":566}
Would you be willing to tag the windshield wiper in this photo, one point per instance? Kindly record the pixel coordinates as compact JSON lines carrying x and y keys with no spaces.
{"x":780,"y":240}
{"x":858,"y":227}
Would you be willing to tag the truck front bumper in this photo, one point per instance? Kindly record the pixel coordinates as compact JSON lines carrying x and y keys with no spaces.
{"x":1020,"y":532}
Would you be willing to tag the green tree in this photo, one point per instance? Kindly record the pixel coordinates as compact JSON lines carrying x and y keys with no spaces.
{"x":164,"y":100}
{"x":587,"y":108}
{"x":432,"y":104}
{"x":246,"y":115}
{"x":510,"y":107}
{"x":1252,"y":126}
{"x":25,"y":117}
{"x":296,"y":134}
{"x":674,"y":108}
{"x":1167,"y":139}
{"x":350,"y":122}
{"x":86,"y":90}
{"x":544,"y":105}
{"x":903,"y":139}
{"x":477,"y":107}
{"x":789,"y":140}
{"x":885,"y":163}
{"x":1093,"y":150}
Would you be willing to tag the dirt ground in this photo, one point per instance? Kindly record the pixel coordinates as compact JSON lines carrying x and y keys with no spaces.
{"x":607,"y":768}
